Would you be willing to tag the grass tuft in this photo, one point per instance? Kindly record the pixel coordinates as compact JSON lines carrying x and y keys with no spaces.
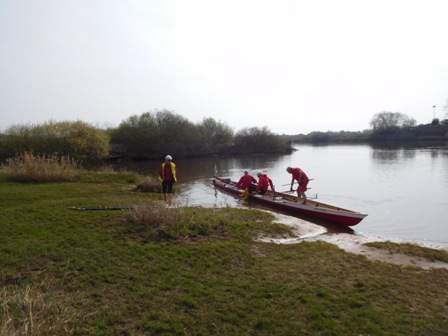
{"x":155,"y":222}
{"x":149,"y":184}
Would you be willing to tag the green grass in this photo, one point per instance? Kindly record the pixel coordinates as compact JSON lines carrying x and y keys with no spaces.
{"x":100,"y":273}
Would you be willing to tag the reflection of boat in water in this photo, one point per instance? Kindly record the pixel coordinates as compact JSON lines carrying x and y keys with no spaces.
{"x":293,"y":204}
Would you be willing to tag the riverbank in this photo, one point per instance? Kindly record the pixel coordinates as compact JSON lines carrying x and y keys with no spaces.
{"x":356,"y":244}
{"x":192,"y":271}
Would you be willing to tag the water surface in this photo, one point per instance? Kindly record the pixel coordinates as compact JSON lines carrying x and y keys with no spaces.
{"x":404,"y":191}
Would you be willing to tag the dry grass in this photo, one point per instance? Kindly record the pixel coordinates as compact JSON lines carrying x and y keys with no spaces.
{"x":149,"y":184}
{"x":34,"y":311}
{"x":154,"y":214}
{"x":27,"y":167}
{"x":152,"y":221}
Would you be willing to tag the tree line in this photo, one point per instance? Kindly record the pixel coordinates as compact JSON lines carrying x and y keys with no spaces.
{"x":148,"y":136}
{"x":385,"y":126}
{"x":151,"y":135}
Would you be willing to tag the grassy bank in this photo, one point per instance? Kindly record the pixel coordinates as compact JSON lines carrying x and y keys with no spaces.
{"x":200,"y":273}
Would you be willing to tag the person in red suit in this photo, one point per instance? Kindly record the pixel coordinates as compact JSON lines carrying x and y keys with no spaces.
{"x":246,"y":180}
{"x":263,"y":184}
{"x":301,"y":178}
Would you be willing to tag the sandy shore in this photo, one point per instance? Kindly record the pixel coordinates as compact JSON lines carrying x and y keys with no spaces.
{"x":353,"y":243}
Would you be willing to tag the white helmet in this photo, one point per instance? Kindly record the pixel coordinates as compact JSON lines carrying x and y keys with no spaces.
{"x":168,"y":157}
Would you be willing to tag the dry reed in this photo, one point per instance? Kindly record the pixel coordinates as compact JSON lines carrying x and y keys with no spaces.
{"x":28,"y":167}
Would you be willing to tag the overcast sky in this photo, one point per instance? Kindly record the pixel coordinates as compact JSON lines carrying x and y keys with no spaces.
{"x":295,"y":66}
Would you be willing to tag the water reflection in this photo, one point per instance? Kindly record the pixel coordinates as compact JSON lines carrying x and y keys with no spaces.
{"x":409,"y":154}
{"x":385,"y":155}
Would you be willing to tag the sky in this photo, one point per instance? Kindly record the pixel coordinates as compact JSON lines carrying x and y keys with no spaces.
{"x":294,"y":66}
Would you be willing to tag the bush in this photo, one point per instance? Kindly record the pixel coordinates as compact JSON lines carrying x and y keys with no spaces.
{"x":78,"y":140}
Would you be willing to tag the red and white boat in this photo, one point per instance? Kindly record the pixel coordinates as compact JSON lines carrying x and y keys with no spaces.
{"x":293,"y":204}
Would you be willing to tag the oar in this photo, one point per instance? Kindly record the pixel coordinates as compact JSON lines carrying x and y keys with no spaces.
{"x":295,"y":182}
{"x":291,"y":191}
{"x":312,"y":197}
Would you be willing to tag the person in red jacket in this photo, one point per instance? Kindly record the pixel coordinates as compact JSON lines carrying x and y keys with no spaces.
{"x":299,"y":176}
{"x":246,"y":180}
{"x":263,"y":184}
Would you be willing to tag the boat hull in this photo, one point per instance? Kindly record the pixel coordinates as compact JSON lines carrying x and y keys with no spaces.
{"x":299,"y":206}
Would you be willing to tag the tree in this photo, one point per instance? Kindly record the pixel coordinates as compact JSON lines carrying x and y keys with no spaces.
{"x":152,"y":135}
{"x":216,"y":135}
{"x":260,"y":140}
{"x":385,"y":120}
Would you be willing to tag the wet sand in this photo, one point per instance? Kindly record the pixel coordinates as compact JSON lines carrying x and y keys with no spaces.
{"x":354,"y":243}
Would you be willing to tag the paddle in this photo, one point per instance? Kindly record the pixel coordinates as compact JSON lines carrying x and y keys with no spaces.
{"x":295,"y":182}
{"x":309,"y":197}
{"x":291,"y":191}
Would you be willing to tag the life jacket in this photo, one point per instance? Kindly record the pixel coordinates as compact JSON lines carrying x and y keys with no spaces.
{"x":173,"y":171}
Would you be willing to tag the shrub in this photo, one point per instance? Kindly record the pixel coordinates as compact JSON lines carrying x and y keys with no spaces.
{"x":78,"y":140}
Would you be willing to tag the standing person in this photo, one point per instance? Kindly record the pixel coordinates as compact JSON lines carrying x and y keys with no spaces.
{"x":263,"y":184}
{"x":245,"y":182}
{"x":167,"y":175}
{"x":300,"y":176}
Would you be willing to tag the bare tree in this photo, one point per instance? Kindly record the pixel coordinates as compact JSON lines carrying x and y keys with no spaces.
{"x":383,"y":120}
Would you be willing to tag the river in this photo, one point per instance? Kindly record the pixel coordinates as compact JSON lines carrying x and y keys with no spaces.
{"x":404,"y":191}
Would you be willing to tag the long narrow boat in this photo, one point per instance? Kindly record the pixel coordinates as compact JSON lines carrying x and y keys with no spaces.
{"x":300,"y":206}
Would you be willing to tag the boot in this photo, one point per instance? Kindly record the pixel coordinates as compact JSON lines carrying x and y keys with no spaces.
{"x":244,"y":194}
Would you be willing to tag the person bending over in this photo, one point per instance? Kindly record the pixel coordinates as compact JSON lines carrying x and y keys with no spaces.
{"x":263,"y":184}
{"x":301,"y":178}
{"x":245,"y":182}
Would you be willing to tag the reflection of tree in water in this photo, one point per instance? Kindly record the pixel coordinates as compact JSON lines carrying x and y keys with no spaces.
{"x":390,"y":155}
{"x":385,"y":155}
{"x":435,"y":153}
{"x":409,"y":153}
